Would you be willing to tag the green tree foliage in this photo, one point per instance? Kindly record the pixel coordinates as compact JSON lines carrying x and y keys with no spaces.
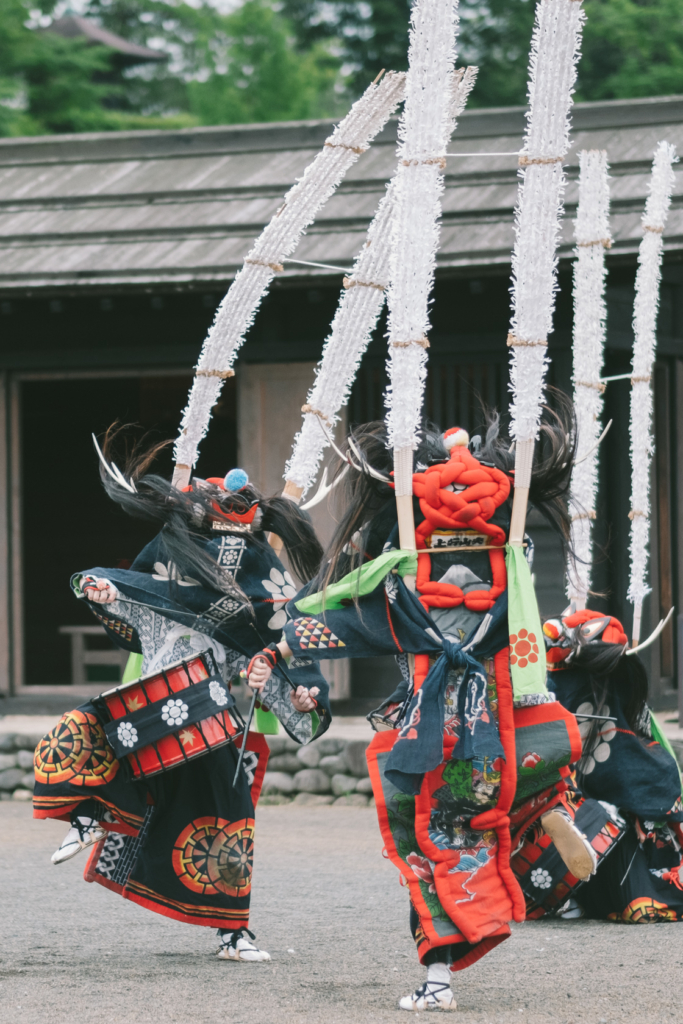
{"x":257,"y":75}
{"x":272,"y":60}
{"x":222,"y":69}
{"x":47,"y":82}
{"x":630,"y":48}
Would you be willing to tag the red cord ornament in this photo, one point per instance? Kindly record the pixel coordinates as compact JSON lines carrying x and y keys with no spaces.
{"x":460,"y":494}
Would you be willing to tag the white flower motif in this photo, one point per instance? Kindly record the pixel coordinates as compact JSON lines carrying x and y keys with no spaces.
{"x":391,"y":587}
{"x":174,"y":712}
{"x":606,"y":731}
{"x":169,"y":572}
{"x":282,"y":589}
{"x":540,"y":879}
{"x":127,"y":734}
{"x":218,"y":694}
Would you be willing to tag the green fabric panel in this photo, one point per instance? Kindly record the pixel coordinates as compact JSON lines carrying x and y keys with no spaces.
{"x":133,"y":669}
{"x":359,"y":582}
{"x":527,"y":653}
{"x":266,"y":722}
{"x":315,"y":724}
{"x":658,"y":735}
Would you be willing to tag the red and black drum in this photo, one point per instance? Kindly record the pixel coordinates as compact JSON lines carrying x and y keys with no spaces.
{"x":544,"y":878}
{"x":170,"y":717}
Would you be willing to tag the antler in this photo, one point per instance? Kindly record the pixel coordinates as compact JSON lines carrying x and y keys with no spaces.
{"x":324,"y":489}
{"x":113,"y":470}
{"x":653,"y":635}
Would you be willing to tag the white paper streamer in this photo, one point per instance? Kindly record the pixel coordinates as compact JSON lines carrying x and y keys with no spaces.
{"x":644,"y":328}
{"x":278,"y":240}
{"x":359,"y":308}
{"x":424,"y":132}
{"x":552,"y":74}
{"x":592,"y":233}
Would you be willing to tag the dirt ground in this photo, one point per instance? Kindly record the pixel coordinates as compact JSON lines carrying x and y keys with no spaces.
{"x":330,"y":911}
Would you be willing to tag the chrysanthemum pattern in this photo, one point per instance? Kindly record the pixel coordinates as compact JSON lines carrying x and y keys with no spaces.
{"x":174,"y":712}
{"x":541,"y":879}
{"x":127,"y":734}
{"x":218,"y":694}
{"x":282,"y":589}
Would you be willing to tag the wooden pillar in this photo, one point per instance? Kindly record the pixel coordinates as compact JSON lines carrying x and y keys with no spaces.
{"x":678,"y":491}
{"x":269,"y":400}
{"x":15,"y":560}
{"x":5,"y":629}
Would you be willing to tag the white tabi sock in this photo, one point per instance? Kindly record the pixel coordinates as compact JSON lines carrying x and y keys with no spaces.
{"x":439,"y":973}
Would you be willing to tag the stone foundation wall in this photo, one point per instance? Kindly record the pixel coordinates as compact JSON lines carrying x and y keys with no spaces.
{"x":330,"y":771}
{"x":16,"y":765}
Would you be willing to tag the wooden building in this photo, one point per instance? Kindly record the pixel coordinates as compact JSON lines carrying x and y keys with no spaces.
{"x":115,"y":250}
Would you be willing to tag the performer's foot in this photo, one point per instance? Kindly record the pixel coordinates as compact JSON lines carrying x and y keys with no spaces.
{"x":234,"y":946}
{"x":571,"y":911}
{"x":433,"y":995}
{"x":83,"y":833}
{"x":572,"y":845}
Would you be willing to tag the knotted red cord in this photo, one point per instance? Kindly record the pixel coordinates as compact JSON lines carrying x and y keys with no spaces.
{"x":444,"y":508}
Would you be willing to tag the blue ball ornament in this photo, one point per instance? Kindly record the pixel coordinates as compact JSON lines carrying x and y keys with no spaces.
{"x":235,"y":480}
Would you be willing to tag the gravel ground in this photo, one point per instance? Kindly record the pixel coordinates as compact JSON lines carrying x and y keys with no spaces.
{"x":331,"y":913}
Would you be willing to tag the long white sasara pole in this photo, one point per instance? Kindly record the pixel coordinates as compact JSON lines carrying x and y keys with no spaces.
{"x":424,"y":133}
{"x":278,"y":240}
{"x":592,"y":233}
{"x":555,"y":50}
{"x":644,"y":329}
{"x":360,"y":305}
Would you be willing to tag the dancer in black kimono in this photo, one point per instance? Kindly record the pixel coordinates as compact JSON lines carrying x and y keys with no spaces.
{"x":628,"y":785}
{"x":181,"y":843}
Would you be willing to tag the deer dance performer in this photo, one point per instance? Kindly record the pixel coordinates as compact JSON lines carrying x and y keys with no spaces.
{"x":628,"y":795}
{"x":206,"y":593}
{"x":466,"y":759}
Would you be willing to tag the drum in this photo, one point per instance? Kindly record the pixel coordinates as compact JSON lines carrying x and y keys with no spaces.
{"x":170,"y":717}
{"x":544,"y":878}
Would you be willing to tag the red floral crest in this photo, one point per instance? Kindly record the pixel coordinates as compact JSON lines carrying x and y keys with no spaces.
{"x":523,"y":648}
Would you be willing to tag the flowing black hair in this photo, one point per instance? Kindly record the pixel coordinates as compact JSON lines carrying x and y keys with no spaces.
{"x":185,"y":517}
{"x":610,"y":670}
{"x":613,"y":675}
{"x":370,"y":507}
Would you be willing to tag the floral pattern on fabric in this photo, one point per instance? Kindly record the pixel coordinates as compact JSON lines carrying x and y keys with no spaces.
{"x":281,"y":587}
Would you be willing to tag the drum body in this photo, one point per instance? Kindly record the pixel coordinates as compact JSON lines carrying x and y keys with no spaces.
{"x":170,"y":717}
{"x":544,"y":878}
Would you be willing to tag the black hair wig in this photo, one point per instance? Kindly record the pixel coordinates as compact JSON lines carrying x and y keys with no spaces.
{"x":612,"y":673}
{"x":369,"y":504}
{"x":185,"y":517}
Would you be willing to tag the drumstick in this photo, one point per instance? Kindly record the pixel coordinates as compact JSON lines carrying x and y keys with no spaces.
{"x":247,"y":726}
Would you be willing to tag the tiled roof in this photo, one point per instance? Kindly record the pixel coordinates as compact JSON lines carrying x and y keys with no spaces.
{"x":181,"y":208}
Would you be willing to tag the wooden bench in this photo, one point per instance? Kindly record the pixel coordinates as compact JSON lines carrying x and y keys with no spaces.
{"x":83,"y":655}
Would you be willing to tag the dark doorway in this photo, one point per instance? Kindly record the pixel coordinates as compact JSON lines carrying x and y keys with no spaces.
{"x":68,"y":523}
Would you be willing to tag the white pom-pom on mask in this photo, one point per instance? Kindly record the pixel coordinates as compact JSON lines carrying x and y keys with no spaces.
{"x":457,"y":438}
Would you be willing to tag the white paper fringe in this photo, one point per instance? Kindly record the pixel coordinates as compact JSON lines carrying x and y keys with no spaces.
{"x":279,"y":239}
{"x":592,"y":232}
{"x":360,"y":305}
{"x":552,"y":73}
{"x":424,"y":132}
{"x":644,"y":329}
